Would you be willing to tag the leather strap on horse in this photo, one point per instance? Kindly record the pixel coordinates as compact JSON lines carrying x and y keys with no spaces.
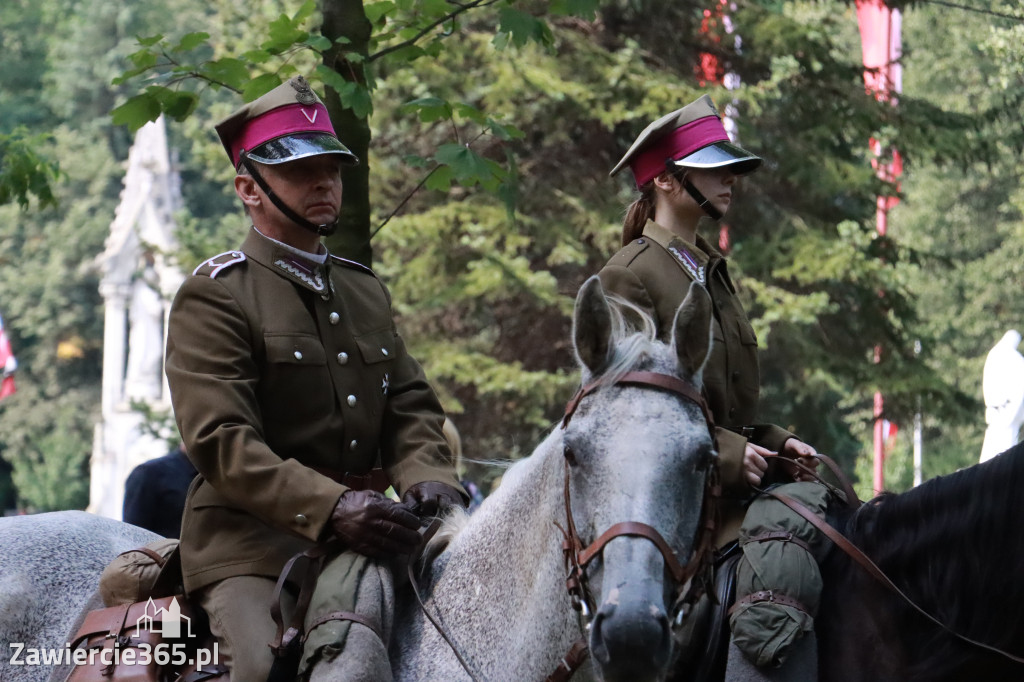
{"x":634,"y":529}
{"x":874,"y":571}
{"x":287,"y":642}
{"x":768,"y":596}
{"x":344,"y":615}
{"x":411,"y":570}
{"x":848,"y":495}
{"x":781,"y":536}
{"x":573,"y":659}
{"x":665,"y":382}
{"x":577,"y":557}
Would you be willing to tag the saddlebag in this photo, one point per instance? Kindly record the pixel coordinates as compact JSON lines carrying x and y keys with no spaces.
{"x":149,"y":631}
{"x":149,"y":641}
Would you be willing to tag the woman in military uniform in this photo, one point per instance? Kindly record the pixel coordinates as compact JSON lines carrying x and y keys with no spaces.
{"x":686,"y":168}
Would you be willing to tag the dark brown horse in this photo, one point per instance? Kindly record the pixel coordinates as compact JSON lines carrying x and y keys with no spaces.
{"x":954,"y":545}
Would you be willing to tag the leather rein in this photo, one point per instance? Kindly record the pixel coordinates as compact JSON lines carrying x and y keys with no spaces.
{"x":578,"y":556}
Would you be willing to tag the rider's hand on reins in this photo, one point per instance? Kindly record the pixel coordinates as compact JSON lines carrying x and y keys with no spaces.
{"x":805,"y":454}
{"x":430,"y":497}
{"x":373,"y":525}
{"x":755,"y":463}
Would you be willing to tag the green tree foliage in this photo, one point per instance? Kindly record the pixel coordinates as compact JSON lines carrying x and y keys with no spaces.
{"x":48,"y":279}
{"x":486,"y":131}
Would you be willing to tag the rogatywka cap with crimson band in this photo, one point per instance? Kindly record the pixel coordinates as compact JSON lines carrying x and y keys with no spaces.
{"x":691,"y":137}
{"x":286,"y":124}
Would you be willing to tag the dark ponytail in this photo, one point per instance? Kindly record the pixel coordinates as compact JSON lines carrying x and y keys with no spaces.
{"x":638,"y":213}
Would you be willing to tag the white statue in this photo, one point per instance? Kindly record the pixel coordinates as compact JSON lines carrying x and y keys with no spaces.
{"x":144,"y":372}
{"x":1002,"y":385}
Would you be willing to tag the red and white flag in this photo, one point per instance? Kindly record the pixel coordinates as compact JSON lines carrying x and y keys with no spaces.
{"x":7,"y":363}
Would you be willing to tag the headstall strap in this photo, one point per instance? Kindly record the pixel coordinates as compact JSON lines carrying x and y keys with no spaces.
{"x":665,"y":382}
{"x":577,"y":556}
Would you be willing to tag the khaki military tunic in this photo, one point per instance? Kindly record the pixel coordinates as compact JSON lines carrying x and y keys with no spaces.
{"x":279,"y":366}
{"x":654,"y":272}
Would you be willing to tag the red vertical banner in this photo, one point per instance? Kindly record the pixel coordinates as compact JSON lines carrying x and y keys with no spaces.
{"x":7,"y":364}
{"x":716,"y":29}
{"x":880,"y":29}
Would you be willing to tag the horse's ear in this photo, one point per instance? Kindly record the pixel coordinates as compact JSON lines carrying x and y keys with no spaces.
{"x":592,"y":325}
{"x":691,"y":332}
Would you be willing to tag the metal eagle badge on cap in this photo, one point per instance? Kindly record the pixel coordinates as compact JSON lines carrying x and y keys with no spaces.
{"x":690,"y":264}
{"x":303,"y":93}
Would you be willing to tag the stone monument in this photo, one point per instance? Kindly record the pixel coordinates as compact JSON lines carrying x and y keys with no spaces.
{"x":138,"y":282}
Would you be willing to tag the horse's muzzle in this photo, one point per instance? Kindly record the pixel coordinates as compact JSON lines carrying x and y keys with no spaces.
{"x":631,"y":642}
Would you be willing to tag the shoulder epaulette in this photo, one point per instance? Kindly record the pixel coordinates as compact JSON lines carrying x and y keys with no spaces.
{"x":345,"y":262}
{"x":630,"y":251}
{"x":211,"y":267}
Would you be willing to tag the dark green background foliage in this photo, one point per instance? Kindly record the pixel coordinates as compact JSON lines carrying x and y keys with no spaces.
{"x":486,"y":133}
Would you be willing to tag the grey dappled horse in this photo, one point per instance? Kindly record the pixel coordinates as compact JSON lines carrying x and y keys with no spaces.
{"x":635,"y":454}
{"x":49,"y":571}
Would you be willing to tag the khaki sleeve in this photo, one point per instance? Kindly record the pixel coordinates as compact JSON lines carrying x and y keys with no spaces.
{"x":771,"y":436}
{"x":213,"y":380}
{"x":731,"y":447}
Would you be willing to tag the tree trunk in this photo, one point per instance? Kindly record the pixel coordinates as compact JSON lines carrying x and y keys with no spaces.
{"x":346,"y":18}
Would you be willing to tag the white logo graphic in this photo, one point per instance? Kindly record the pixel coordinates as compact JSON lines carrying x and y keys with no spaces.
{"x":168,"y":625}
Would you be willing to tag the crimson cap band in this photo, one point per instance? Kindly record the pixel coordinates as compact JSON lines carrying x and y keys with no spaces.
{"x":691,"y":137}
{"x":288,"y":123}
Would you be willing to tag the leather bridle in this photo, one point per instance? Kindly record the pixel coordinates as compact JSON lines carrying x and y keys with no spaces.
{"x":687,"y":586}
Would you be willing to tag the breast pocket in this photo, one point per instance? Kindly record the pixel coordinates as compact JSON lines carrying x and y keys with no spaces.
{"x":747,"y":335}
{"x":296,"y":382}
{"x":377,"y":350}
{"x":377,"y":346}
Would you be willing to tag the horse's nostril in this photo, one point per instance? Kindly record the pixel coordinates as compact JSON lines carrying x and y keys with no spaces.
{"x":598,"y":647}
{"x":620,"y":638}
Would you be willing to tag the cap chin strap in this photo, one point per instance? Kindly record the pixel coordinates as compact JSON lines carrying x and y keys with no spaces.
{"x":692,"y":190}
{"x":322,"y":230}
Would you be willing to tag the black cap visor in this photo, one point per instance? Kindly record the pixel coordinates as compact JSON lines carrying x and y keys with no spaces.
{"x":721,"y":155}
{"x":300,"y":146}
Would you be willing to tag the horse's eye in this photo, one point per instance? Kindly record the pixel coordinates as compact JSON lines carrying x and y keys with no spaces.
{"x":570,"y":456}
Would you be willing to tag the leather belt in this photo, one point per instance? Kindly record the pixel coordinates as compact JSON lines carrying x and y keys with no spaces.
{"x":375,"y":479}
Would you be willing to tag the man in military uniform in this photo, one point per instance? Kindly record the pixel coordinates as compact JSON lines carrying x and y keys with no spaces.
{"x":290,"y":384}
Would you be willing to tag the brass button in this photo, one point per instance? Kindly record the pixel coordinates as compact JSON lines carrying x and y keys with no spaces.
{"x":335,"y":318}
{"x":353,"y":444}
{"x":301,"y":520}
{"x":298,"y":355}
{"x":351,"y":401}
{"x":325,"y":297}
{"x":384,"y":351}
{"x":342,"y":358}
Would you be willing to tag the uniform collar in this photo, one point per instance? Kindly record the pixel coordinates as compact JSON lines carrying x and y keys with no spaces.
{"x":695,"y":259}
{"x":308,"y":270}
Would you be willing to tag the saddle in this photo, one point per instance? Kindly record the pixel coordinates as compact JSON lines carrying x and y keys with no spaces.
{"x":704,"y":645}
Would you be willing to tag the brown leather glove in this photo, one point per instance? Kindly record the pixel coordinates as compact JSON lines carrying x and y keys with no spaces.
{"x":373,"y":525}
{"x":430,"y":497}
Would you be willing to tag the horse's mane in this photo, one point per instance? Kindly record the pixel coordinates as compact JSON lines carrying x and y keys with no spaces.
{"x":954,"y":546}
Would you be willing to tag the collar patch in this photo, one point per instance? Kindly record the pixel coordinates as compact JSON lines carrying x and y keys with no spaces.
{"x":302,"y":271}
{"x":219,"y":262}
{"x":690,"y":264}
